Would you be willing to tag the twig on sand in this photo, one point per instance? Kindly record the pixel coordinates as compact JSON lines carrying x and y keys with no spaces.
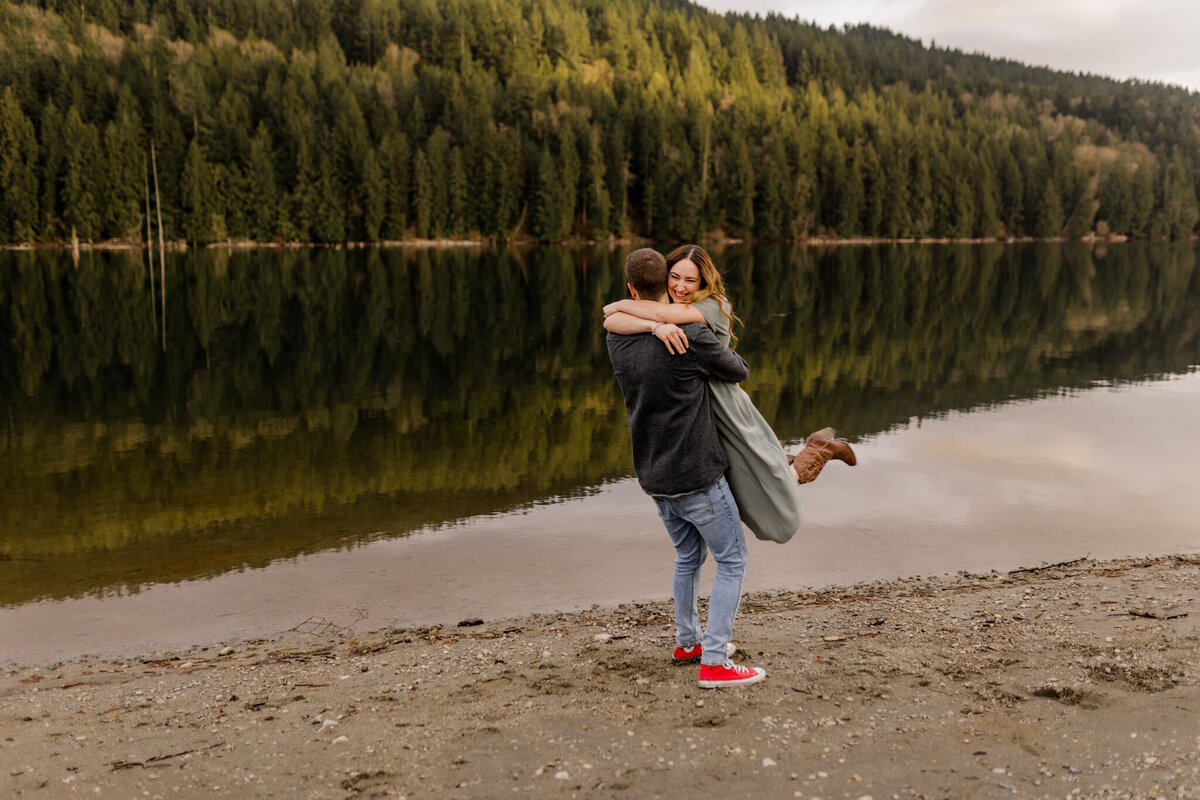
{"x":1133,"y":612}
{"x":1045,"y":567}
{"x":319,"y":624}
{"x":155,"y":761}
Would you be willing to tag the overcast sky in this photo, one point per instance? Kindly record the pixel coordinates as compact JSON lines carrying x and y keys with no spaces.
{"x":1156,"y":40}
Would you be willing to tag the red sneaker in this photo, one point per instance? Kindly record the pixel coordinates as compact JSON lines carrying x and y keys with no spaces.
{"x":729,"y":674}
{"x":694,"y":652}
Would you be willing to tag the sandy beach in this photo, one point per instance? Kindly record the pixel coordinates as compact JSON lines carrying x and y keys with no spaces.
{"x":1072,"y":680}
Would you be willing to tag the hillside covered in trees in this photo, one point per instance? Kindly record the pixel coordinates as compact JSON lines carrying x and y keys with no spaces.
{"x":365,"y":120}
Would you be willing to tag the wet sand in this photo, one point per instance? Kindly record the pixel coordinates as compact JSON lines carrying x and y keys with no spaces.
{"x":1079,"y":680}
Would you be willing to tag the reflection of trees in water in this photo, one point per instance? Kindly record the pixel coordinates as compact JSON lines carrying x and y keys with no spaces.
{"x":868,"y":337}
{"x":422,"y":386}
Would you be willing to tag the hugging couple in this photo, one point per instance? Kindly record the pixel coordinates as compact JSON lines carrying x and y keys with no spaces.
{"x":701,"y":450}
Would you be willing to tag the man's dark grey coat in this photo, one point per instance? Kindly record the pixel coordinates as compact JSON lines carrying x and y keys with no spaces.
{"x":676,"y":450}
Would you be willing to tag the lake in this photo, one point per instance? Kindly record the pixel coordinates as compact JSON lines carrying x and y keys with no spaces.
{"x":367,"y":437}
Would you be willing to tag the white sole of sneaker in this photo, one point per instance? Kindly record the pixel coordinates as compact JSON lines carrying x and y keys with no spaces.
{"x":760,"y":673}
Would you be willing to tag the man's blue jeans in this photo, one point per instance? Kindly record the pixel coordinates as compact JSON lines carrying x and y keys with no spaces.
{"x":699,"y":522}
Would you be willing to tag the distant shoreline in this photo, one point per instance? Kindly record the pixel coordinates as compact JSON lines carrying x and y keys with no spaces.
{"x":421,"y":244}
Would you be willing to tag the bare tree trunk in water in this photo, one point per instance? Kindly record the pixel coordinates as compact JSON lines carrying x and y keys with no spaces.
{"x":149,"y":243}
{"x":162,"y":252}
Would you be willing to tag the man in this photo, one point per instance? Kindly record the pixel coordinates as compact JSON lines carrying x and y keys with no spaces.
{"x":681,"y":464}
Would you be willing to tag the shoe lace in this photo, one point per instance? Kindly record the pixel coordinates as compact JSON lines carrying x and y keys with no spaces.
{"x":738,"y":668}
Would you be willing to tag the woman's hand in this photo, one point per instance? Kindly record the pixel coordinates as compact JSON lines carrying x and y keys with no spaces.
{"x":672,"y":336}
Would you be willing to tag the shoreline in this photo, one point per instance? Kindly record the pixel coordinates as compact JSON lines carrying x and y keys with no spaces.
{"x":1081,"y":677}
{"x":424,"y":244}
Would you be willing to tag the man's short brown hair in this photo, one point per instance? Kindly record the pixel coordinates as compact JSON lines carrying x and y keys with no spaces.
{"x":646,"y":272}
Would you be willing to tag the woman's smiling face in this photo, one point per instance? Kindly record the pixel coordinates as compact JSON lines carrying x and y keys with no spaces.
{"x":683,"y":281}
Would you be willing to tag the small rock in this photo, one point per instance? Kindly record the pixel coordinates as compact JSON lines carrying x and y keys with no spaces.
{"x":467,"y":623}
{"x":768,"y":762}
{"x":563,"y":775}
{"x":227,"y":651}
{"x":602,"y":637}
{"x":341,"y":739}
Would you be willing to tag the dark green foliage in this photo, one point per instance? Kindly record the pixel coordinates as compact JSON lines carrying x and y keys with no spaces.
{"x":262,"y":199}
{"x":330,"y":120}
{"x":124,"y":176}
{"x":422,"y":196}
{"x":374,"y":192}
{"x":547,"y":202}
{"x":197,"y":198}
{"x":79,"y":181}
{"x":18,"y":157}
{"x":395,"y":165}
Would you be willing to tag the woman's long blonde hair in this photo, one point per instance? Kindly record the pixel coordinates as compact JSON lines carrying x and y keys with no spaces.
{"x":711,"y":284}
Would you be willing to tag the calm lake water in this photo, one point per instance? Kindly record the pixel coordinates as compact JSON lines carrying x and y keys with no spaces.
{"x":423,"y":436}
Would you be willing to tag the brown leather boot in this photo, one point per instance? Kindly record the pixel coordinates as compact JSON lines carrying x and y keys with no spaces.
{"x":817,"y":451}
{"x":841,"y":449}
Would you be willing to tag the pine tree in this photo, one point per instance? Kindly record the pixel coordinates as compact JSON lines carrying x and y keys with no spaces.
{"x":597,"y":205}
{"x":53,"y":157}
{"x":18,"y":155}
{"x":509,"y":210}
{"x":875,"y":189}
{"x":396,"y":163}
{"x":1180,"y":211}
{"x":262,"y":192}
{"x":123,"y":158}
{"x":922,"y":213}
{"x":547,"y":202}
{"x":1116,"y":197}
{"x":1048,"y":220}
{"x":1081,"y":218}
{"x":1011,"y":191}
{"x":80,"y":207}
{"x":374,"y":192}
{"x":305,"y":201}
{"x":437,"y":153}
{"x":569,"y":171}
{"x":330,"y":222}
{"x":894,"y":189}
{"x":1142,"y":201}
{"x":987,"y":218}
{"x":739,"y":211}
{"x":196,"y":183}
{"x":422,"y":197}
{"x":851,"y":194}
{"x":771,"y":214}
{"x":456,"y":191}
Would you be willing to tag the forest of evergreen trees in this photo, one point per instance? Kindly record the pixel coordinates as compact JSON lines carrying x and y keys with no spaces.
{"x":367,"y":120}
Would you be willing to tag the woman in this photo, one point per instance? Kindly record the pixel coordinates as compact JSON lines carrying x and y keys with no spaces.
{"x":763,"y":478}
